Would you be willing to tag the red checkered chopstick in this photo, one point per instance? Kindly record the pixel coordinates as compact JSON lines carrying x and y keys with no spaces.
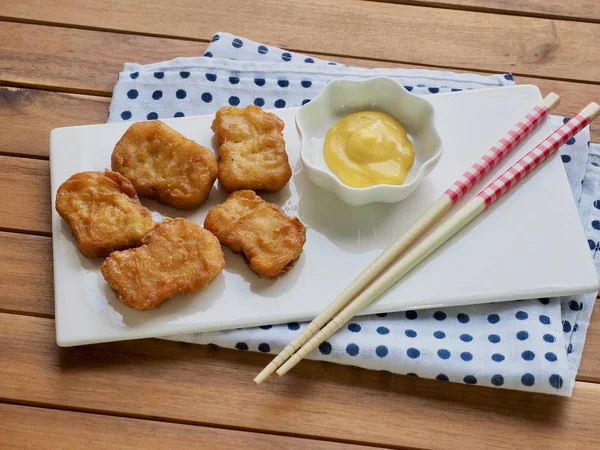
{"x":447,"y":229}
{"x":490,"y":159}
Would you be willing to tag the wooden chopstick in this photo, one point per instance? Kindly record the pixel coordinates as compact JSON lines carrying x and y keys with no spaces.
{"x":440,"y":207}
{"x":449,"y":228}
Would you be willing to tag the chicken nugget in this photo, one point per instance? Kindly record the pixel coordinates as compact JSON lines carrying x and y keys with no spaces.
{"x":252,"y":150}
{"x":177,"y":256}
{"x":104,"y":212}
{"x":165,"y":165}
{"x":270,"y":240}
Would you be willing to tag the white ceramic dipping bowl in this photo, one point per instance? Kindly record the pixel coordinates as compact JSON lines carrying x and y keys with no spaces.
{"x":340,"y":98}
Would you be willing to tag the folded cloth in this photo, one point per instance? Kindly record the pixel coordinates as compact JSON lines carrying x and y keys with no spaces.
{"x":531,"y":345}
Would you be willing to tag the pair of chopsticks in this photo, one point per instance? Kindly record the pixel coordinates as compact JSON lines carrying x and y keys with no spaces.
{"x":366,"y":288}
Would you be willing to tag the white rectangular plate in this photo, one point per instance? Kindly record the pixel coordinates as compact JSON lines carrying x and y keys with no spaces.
{"x":528,"y":245}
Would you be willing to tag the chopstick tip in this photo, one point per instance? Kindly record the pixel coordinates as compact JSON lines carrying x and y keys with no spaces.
{"x":265,"y":373}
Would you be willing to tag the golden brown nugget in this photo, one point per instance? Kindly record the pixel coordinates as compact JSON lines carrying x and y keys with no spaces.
{"x":252,"y":149}
{"x":270,"y":240}
{"x":177,"y":256}
{"x":165,"y":165}
{"x":104,"y":212}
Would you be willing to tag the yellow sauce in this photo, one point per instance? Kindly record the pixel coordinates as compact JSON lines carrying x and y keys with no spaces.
{"x":368,"y":148}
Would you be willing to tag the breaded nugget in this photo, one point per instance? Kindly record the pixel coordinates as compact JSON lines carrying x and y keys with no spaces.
{"x":252,"y":150}
{"x":165,"y":165}
{"x":104,"y":212}
{"x":270,"y":240}
{"x":177,"y":256}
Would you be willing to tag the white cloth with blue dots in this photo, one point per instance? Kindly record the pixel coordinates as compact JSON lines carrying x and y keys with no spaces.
{"x":531,"y":345}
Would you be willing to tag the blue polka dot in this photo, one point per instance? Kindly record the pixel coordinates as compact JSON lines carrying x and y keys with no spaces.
{"x":566,"y":326}
{"x":570,"y":349}
{"x":443,"y":353}
{"x":544,"y":301}
{"x":413,"y":353}
{"x":152,"y":116}
{"x":433,"y":90}
{"x":241,"y":346}
{"x":494,"y":338}
{"x":157,"y":95}
{"x":466,"y":356}
{"x":286,"y":56}
{"x":234,"y":101}
{"x":354,"y":327}
{"x":420,"y":85}
{"x":309,"y":60}
{"x":412,"y":374}
{"x":442,"y":377}
{"x":497,"y":380}
{"x":293,"y":326}
{"x":159,"y":75}
{"x":283,"y":83}
{"x":411,"y":333}
{"x":280,"y":103}
{"x":455,"y":90}
{"x":566,"y":119}
{"x":439,"y":315}
{"x":570,"y":141}
{"x":206,"y":97}
{"x":259,"y":101}
{"x":132,"y":93}
{"x":463,"y":318}
{"x":591,"y":244}
{"x":234,"y":80}
{"x":211,"y":76}
{"x":509,"y":76}
{"x":180,"y":94}
{"x":411,"y":315}
{"x":266,"y":327}
{"x":264,"y":347}
{"x":575,"y":306}
{"x":259,"y":81}
{"x":575,"y":328}
{"x":565,"y":158}
{"x":493,"y":318}
{"x":439,"y":334}
{"x":408,"y":88}
{"x":521,"y":315}
{"x":126,"y":115}
{"x":466,"y":337}
{"x":215,"y":38}
{"x":522,"y":335}
{"x":263,"y":50}
{"x":331,"y":63}
{"x":352,"y":349}
{"x":381,"y":314}
{"x":382,"y":330}
{"x":306,"y":83}
{"x":208,"y":55}
{"x":134,"y":75}
{"x":550,"y":356}
{"x":305,"y":101}
{"x":325,"y":348}
{"x":596,"y":224}
{"x":184,"y":74}
{"x":381,"y":351}
{"x":549,"y":338}
{"x":528,"y":355}
{"x":556,"y":381}
{"x":497,"y":357}
{"x":597,"y":204}
{"x":470,"y":379}
{"x":545,"y":319}
{"x":179,"y":114}
{"x":237,"y":43}
{"x":528,"y":379}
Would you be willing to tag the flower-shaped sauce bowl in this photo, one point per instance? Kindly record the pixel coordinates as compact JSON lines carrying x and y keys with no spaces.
{"x":342,"y":97}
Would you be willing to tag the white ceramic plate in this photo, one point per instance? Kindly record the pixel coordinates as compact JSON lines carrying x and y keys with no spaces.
{"x":529,"y":244}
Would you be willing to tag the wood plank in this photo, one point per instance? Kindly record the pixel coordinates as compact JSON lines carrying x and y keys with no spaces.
{"x":581,"y":10}
{"x":24,"y":427}
{"x":589,"y":369}
{"x":206,"y":385}
{"x":410,"y":34}
{"x":28,"y":115}
{"x":25,"y":188}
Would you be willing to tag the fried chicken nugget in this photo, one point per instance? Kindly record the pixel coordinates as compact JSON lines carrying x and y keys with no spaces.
{"x":252,"y":149}
{"x":177,"y":256}
{"x":270,"y":240}
{"x":104,"y":212}
{"x":165,"y":165}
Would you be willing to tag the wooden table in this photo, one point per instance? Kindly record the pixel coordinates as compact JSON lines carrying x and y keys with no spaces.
{"x":58,"y":65}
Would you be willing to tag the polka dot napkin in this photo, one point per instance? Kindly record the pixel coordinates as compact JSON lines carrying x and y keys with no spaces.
{"x":532,"y":345}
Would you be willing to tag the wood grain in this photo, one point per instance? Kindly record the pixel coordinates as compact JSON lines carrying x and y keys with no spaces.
{"x":581,"y":10}
{"x":205,"y":385}
{"x":24,"y":427}
{"x":409,"y":34}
